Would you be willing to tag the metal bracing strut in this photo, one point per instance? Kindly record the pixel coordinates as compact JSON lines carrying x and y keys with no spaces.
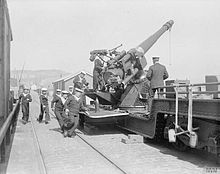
{"x":176,"y":113}
{"x":189,"y":126}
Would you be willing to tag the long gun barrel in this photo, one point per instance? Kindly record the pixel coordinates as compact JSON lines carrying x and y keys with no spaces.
{"x":127,"y":65}
{"x":149,"y":42}
{"x":143,"y":48}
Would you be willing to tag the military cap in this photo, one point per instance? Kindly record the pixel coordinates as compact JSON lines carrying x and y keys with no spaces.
{"x":43,"y":89}
{"x":25,"y":87}
{"x":58,"y":90}
{"x":65,"y":92}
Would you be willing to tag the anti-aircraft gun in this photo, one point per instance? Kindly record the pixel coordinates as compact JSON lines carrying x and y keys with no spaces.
{"x":176,"y":117}
{"x":123,"y":73}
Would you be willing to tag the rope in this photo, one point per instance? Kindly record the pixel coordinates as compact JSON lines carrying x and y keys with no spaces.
{"x":170,"y":48}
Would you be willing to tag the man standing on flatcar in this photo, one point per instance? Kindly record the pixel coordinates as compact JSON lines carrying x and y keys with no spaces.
{"x":79,"y":81}
{"x":156,"y":74}
{"x":25,"y":99}
{"x":44,"y":107}
{"x":98,"y":67}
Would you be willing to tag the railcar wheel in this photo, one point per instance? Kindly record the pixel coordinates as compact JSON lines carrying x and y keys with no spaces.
{"x":179,"y":145}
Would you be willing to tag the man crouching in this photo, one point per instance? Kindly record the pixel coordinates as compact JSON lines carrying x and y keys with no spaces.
{"x":72,"y":107}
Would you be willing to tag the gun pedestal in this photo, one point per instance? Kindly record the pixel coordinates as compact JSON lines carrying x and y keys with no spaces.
{"x":97,"y":105}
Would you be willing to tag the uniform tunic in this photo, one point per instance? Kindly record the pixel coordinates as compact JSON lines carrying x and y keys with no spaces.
{"x":74,"y":106}
{"x":25,"y":99}
{"x":98,"y":65}
{"x":44,"y":108}
{"x":58,"y":103}
{"x":80,"y":82}
{"x":59,"y":106}
{"x":157,"y":73}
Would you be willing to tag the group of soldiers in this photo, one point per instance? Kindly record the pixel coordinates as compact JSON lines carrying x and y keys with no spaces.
{"x":156,"y":74}
{"x":65,"y":104}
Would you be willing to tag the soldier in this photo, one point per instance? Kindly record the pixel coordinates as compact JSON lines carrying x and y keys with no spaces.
{"x":71,"y":90}
{"x":80,"y":81}
{"x":156,"y":74}
{"x":98,"y":66}
{"x":72,"y":107}
{"x":25,"y":99}
{"x":58,"y":107}
{"x":44,"y":106}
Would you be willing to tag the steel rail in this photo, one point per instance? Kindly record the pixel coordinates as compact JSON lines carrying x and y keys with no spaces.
{"x":96,"y":150}
{"x":42,"y":166}
{"x":100,"y":153}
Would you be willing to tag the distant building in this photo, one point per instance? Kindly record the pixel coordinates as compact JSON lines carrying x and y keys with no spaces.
{"x":34,"y":87}
{"x":64,"y":82}
{"x":213,"y":79}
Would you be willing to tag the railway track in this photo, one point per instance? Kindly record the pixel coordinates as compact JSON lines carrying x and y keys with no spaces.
{"x":99,"y":155}
{"x":102,"y":154}
{"x":40,"y":156}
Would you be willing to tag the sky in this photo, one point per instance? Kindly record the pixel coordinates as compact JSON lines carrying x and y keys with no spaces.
{"x":59,"y":34}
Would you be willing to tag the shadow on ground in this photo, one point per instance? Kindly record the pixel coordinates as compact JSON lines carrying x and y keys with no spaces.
{"x":92,"y":130}
{"x":197,"y":157}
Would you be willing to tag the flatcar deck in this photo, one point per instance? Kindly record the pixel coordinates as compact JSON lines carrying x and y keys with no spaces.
{"x":106,"y":113}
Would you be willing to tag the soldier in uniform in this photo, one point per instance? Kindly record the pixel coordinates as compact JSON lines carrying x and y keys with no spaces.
{"x":57,"y":106}
{"x":44,"y":106}
{"x":25,"y":99}
{"x":71,"y":89}
{"x":80,"y":81}
{"x":73,"y":106}
{"x":156,"y":74}
{"x":98,"y":66}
